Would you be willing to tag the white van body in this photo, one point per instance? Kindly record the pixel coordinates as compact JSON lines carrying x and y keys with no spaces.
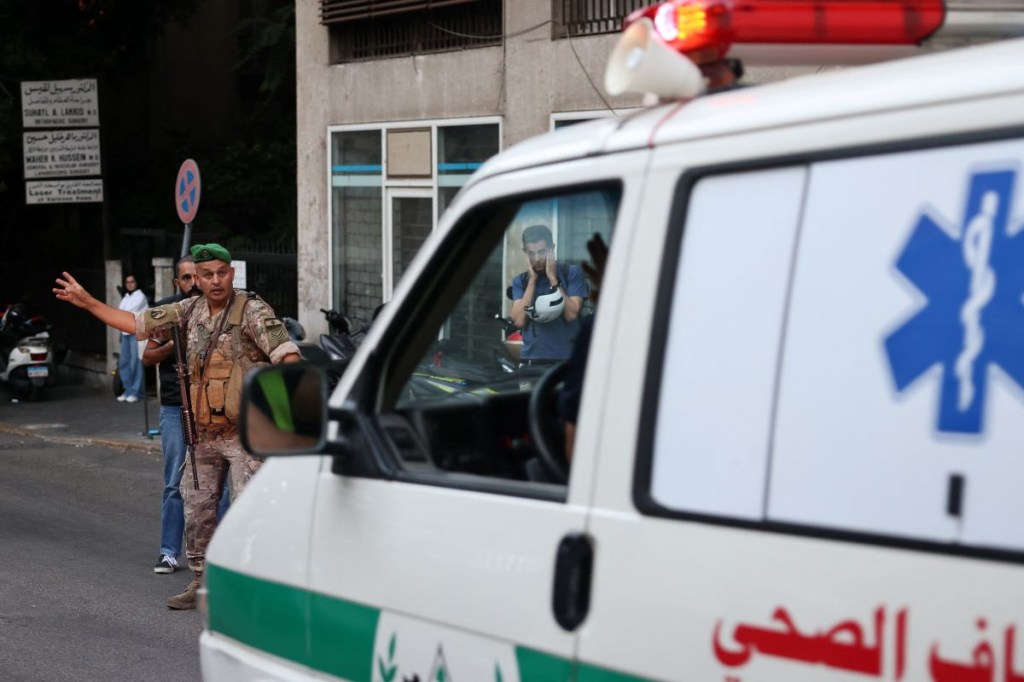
{"x":800,"y":443}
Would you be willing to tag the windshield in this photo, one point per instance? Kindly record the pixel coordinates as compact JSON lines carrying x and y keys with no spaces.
{"x":521,"y":312}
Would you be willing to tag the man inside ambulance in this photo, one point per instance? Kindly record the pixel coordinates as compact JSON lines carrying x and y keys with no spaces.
{"x":547,"y":300}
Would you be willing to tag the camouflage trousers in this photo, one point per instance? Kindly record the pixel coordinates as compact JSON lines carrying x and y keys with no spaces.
{"x":219,"y":457}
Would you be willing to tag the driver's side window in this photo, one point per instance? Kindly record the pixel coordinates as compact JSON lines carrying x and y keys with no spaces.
{"x":475,"y":392}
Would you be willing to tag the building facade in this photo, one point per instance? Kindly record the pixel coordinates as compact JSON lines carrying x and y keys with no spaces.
{"x":399,"y":102}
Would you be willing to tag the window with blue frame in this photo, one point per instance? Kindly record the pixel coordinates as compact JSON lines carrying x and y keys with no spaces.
{"x":366,"y":233}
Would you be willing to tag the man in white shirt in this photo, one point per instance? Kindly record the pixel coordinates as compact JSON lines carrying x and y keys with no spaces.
{"x":128,"y":365}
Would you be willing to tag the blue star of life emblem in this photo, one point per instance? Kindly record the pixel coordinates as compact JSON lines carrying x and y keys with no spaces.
{"x":974,"y":317}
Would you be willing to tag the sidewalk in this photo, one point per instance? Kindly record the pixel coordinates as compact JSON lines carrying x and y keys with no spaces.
{"x":85,"y":415}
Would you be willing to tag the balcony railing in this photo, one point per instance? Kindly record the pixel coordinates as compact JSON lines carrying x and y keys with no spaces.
{"x":393,"y":28}
{"x":338,"y":11}
{"x":592,"y":17}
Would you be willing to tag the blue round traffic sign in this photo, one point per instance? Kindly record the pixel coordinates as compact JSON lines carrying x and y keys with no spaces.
{"x":187,"y":190}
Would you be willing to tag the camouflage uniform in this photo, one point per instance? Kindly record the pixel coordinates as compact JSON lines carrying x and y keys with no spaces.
{"x":260,"y":337}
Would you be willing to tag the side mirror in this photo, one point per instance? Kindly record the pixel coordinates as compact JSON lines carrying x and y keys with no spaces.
{"x":284,"y":410}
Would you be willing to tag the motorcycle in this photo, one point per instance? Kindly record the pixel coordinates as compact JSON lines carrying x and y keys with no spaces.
{"x":340,"y":344}
{"x":449,"y":370}
{"x":335,"y":350}
{"x":446,"y":370}
{"x":27,"y":354}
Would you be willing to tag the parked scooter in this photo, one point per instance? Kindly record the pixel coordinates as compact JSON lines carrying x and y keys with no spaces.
{"x":335,"y":350}
{"x":444,"y":372}
{"x":26,"y":352}
{"x":296,"y":332}
{"x":308,"y":351}
{"x":340,"y":344}
{"x":448,"y":370}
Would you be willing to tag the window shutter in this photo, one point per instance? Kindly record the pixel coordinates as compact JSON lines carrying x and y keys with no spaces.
{"x":340,"y":11}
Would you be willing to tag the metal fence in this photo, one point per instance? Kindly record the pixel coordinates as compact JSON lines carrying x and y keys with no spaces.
{"x":274,"y":276}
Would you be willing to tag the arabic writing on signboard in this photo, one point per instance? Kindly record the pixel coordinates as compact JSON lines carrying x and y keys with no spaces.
{"x":49,"y":104}
{"x":62,"y":153}
{"x":64,"y":191}
{"x":844,"y":647}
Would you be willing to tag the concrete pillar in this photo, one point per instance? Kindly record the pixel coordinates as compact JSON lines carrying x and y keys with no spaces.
{"x":114,"y":279}
{"x":163,"y":276}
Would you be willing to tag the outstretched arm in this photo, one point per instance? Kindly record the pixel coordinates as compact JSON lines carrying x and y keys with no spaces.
{"x":68,"y":289}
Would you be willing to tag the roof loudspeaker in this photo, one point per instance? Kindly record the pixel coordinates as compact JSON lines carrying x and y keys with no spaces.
{"x":643,"y":63}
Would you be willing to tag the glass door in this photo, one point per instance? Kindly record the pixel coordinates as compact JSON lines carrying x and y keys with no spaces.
{"x":409,"y":221}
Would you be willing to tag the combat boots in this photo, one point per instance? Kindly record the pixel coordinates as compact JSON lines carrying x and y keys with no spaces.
{"x":187,"y":599}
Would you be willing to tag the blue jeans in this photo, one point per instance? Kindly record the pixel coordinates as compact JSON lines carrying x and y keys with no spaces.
{"x":129,"y":366}
{"x":172,"y":519}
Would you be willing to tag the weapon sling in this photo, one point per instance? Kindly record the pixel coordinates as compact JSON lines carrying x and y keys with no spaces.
{"x":188,"y":420}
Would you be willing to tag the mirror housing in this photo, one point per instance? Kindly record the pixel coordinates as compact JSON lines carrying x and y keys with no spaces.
{"x":284,"y":410}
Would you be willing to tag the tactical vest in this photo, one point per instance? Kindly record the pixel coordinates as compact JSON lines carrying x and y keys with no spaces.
{"x":217,"y":391}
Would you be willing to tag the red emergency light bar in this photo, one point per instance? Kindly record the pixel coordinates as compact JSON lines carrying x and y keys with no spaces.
{"x":705,"y":29}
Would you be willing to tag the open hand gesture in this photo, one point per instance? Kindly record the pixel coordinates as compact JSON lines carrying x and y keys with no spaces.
{"x":551,"y":268}
{"x":68,"y":289}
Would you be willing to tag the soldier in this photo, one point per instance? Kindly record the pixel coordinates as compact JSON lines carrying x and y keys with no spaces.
{"x":160,"y":351}
{"x":229,"y":332}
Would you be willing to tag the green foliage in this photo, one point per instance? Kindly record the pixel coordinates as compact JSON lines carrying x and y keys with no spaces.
{"x":251,"y":188}
{"x":270,"y":41}
{"x":252,"y":179}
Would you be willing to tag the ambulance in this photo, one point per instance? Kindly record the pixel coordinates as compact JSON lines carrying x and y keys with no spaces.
{"x":799,"y":451}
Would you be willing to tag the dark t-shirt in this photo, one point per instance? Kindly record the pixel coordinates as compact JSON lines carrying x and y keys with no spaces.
{"x":572,"y":389}
{"x":170,"y":390}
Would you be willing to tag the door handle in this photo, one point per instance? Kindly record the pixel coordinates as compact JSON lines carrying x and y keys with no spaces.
{"x":574,"y":564}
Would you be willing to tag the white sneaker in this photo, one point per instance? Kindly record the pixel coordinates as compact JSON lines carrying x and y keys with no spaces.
{"x":131,"y":399}
{"x":123,"y":397}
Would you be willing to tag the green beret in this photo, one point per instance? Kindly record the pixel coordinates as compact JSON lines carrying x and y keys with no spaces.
{"x":202,"y":253}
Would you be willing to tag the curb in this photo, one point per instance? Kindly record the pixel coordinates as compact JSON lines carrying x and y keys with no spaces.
{"x":83,"y":440}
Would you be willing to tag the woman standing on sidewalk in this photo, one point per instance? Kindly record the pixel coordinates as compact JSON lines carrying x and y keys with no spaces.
{"x":128,"y":364}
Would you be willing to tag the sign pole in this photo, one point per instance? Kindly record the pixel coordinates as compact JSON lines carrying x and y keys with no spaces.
{"x":186,"y":240}
{"x":186,"y":201}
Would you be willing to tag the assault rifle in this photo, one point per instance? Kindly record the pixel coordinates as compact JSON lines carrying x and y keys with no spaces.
{"x":188,"y":417}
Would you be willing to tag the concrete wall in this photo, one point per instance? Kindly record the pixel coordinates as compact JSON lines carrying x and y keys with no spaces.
{"x":312,"y":117}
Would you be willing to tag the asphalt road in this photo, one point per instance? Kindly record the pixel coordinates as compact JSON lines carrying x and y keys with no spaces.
{"x":79,"y":533}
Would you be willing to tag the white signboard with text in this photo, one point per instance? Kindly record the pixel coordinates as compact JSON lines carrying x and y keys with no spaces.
{"x":60,"y":104}
{"x":240,"y":275}
{"x":61,"y":153}
{"x":64,"y":191}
